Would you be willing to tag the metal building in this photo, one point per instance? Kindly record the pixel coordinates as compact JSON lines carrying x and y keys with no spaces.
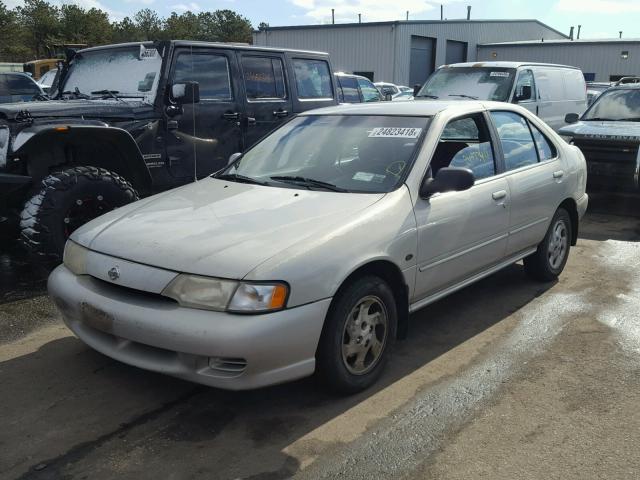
{"x":599,"y":60}
{"x":402,"y":52}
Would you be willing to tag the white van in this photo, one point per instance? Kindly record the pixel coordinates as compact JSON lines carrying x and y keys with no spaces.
{"x":550,"y":91}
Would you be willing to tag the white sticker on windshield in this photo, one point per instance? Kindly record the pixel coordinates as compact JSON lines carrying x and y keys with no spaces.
{"x":395,"y":132}
{"x":499,"y":74}
{"x":369,"y":177}
{"x":148,"y":53}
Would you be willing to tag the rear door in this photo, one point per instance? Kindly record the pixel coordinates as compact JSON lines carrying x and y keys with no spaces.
{"x":267,"y":98}
{"x":313,"y":84}
{"x":201,"y":136}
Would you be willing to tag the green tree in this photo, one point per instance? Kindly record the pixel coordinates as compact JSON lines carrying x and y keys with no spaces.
{"x":184,"y":26}
{"x":78,"y":25}
{"x":232,"y":27}
{"x":148,"y":24}
{"x":125,"y":31}
{"x":39,"y":20}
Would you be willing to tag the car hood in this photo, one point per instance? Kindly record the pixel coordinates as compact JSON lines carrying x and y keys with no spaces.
{"x":218,"y":228}
{"x":75,"y":108}
{"x":605,"y":130}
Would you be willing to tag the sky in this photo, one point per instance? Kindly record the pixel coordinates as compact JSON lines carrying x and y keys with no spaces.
{"x":599,"y":18}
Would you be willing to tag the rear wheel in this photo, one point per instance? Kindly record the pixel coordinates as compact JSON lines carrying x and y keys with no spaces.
{"x":66,"y":200}
{"x":553,"y":252}
{"x":359,"y":331}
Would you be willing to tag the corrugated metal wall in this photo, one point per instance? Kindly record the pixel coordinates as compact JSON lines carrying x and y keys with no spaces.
{"x":603,"y":59}
{"x":371,"y":47}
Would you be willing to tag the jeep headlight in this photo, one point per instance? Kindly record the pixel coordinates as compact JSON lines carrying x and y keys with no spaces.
{"x":210,"y":293}
{"x":75,"y":257}
{"x":4,"y":145}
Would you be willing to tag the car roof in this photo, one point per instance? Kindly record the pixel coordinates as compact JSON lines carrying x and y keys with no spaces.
{"x":344,"y":74}
{"x":187,"y":43}
{"x":507,"y":65}
{"x":418,"y":108}
{"x":20,"y":74}
{"x":626,"y":86}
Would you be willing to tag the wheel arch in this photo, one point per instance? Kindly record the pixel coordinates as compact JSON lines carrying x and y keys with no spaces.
{"x":114,"y":149}
{"x":392,"y":275}
{"x":570,"y":205}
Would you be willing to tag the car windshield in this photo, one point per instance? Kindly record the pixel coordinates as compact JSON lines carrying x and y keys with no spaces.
{"x":354,"y":153}
{"x":16,"y":88}
{"x":129,"y":72}
{"x":618,"y":104}
{"x":482,"y":83}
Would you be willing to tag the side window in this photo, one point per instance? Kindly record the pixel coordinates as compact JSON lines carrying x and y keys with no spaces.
{"x":263,"y":78}
{"x":546,"y":149}
{"x":465,"y":142}
{"x":313,"y":78}
{"x":525,"y":79}
{"x":20,"y":85}
{"x":210,"y":70}
{"x":369,"y":92}
{"x":517,"y":144}
{"x":350,"y":90}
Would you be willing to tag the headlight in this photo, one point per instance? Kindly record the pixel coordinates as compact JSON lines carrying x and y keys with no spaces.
{"x":4,"y":145}
{"x":75,"y":258}
{"x":217,"y":294}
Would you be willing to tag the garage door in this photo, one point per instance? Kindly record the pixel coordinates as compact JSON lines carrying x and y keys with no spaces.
{"x":456,"y":52}
{"x":423,"y":59}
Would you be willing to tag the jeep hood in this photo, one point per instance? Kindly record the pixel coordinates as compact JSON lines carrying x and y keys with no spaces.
{"x":87,"y":109}
{"x":603,"y":130}
{"x":219,"y":228}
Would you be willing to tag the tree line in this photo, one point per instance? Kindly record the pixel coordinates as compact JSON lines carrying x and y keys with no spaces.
{"x":27,"y":31}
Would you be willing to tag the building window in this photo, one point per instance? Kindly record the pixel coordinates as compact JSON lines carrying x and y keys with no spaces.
{"x":624,"y":54}
{"x":368,"y":75}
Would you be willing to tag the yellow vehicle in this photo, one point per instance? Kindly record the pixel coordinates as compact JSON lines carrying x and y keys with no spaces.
{"x":37,"y":68}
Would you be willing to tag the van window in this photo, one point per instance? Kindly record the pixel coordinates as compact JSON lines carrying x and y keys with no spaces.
{"x":550,"y":84}
{"x":349,"y":89}
{"x":210,"y":70}
{"x":574,"y":85}
{"x":369,"y":92}
{"x":313,"y":78}
{"x":263,"y":77}
{"x":525,"y":78}
{"x":515,"y":137}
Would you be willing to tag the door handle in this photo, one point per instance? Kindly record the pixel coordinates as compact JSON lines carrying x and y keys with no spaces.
{"x":499,"y":195}
{"x":172,"y":125}
{"x":231,"y":116}
{"x":558,"y":174}
{"x":280,"y":113}
{"x":251,"y":121}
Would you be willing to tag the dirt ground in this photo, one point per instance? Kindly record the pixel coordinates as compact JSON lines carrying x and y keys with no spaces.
{"x":506,"y":379}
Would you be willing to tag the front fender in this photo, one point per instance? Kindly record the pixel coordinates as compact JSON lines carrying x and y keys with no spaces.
{"x":127,"y":158}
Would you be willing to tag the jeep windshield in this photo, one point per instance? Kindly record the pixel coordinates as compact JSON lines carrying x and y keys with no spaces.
{"x":621,"y":104}
{"x":130,"y":72}
{"x":478,"y":83}
{"x":344,"y":153}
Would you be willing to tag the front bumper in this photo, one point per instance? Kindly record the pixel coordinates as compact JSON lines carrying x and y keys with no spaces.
{"x":582,"y":204}
{"x":218,"y":349}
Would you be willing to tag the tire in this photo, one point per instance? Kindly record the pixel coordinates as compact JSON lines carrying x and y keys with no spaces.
{"x":347,"y":360}
{"x":553,"y":252}
{"x":64,"y":201}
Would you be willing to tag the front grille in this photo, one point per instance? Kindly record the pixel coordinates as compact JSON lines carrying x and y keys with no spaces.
{"x":139,"y":294}
{"x":608,"y":152}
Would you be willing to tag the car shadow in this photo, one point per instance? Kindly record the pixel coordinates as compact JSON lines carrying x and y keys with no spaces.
{"x":93,"y":409}
{"x":612,"y":216}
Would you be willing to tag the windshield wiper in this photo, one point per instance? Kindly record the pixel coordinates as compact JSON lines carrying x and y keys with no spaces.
{"x":435,"y":97}
{"x":600,"y":119}
{"x":463,"y":96}
{"x":309,"y":182}
{"x":234,"y":177}
{"x":108,"y":93}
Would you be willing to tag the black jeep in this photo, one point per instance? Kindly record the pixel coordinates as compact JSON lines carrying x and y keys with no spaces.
{"x":134,"y":119}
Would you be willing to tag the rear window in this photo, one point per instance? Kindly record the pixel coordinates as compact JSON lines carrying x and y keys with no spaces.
{"x":17,"y":85}
{"x":313,"y":78}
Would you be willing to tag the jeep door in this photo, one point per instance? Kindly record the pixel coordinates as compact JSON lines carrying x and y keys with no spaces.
{"x":462,"y":233}
{"x":202,"y":135}
{"x":267,"y":98}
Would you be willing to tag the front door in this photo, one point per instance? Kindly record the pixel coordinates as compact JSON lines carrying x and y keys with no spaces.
{"x":462,"y":233}
{"x":201,"y":136}
{"x":267,"y":99}
{"x":526,"y":79}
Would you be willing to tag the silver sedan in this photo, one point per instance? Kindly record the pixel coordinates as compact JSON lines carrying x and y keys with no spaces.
{"x":309,"y":251}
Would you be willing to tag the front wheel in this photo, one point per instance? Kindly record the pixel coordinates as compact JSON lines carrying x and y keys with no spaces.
{"x":359,"y":331}
{"x":66,"y":200}
{"x":553,"y":252}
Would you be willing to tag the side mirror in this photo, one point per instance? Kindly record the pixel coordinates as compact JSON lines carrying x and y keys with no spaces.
{"x":525,"y":93}
{"x":416,"y":89}
{"x":233,"y":157}
{"x":185,"y":92}
{"x":388,"y":97}
{"x":571,"y":118}
{"x":448,"y":179}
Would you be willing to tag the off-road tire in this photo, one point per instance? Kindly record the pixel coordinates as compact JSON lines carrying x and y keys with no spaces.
{"x":330,"y":365}
{"x":43,"y":230}
{"x":538,"y":265}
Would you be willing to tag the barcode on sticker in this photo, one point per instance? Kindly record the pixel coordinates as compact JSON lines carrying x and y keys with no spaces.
{"x":395,"y":132}
{"x":499,"y":74}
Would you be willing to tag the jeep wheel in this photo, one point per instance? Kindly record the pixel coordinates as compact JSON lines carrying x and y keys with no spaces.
{"x":359,"y":331}
{"x":66,"y":200}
